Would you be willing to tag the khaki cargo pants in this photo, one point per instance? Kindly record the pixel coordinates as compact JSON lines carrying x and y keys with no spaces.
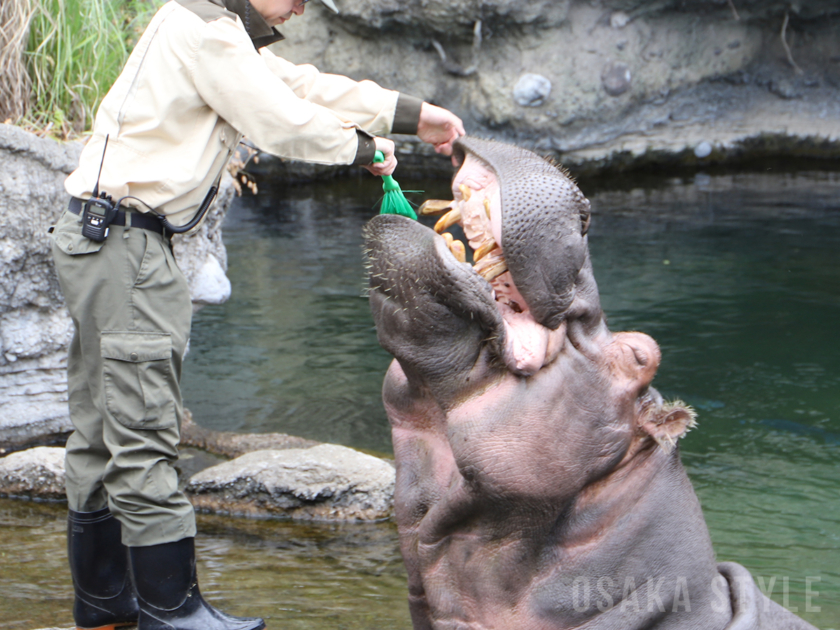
{"x":131,"y":308}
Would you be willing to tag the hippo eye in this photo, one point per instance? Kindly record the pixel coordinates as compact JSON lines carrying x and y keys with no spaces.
{"x":585,"y":218}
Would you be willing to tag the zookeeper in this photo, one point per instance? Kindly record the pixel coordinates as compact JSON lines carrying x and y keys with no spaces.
{"x":199,"y":78}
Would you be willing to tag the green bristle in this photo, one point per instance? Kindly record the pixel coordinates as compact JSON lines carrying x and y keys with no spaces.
{"x":394,"y":201}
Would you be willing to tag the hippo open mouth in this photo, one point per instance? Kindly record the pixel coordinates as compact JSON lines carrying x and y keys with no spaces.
{"x":477,"y":208}
{"x":528,"y":266}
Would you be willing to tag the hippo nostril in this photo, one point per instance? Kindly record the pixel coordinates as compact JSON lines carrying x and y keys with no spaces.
{"x":458,"y":157}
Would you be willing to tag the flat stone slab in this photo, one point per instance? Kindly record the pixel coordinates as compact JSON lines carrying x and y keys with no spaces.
{"x":325,"y":482}
{"x":229,"y":444}
{"x":37,"y":473}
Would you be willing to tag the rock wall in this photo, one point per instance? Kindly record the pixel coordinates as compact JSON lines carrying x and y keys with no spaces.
{"x":603,"y":82}
{"x":35,"y":329}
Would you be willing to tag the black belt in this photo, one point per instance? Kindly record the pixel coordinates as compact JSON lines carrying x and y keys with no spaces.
{"x":138,"y":219}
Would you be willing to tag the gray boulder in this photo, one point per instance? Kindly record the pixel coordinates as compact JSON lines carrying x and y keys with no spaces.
{"x":325,"y":483}
{"x":35,"y":329}
{"x":37,"y":473}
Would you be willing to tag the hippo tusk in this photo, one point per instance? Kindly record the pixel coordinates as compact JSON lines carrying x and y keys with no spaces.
{"x":487,"y":208}
{"x":434,"y":206}
{"x":493,"y":271}
{"x":485,"y":249}
{"x":466,"y":192}
{"x":448,"y":220}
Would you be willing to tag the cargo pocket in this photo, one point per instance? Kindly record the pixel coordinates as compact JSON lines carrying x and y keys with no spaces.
{"x":68,"y":236}
{"x":141,"y":391}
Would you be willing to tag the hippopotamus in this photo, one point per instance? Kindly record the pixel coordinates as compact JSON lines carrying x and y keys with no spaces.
{"x":539,"y":483}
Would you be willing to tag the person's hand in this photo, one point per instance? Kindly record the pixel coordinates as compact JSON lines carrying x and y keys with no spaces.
{"x":439,"y":127}
{"x":387,"y":167}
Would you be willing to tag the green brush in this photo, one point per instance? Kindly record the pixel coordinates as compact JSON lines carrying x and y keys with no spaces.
{"x":394,"y":201}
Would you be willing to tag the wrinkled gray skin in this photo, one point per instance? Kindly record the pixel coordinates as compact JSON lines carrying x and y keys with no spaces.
{"x":537,"y":493}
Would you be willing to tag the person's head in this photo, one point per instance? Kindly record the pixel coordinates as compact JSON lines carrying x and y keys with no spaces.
{"x":278,"y":11}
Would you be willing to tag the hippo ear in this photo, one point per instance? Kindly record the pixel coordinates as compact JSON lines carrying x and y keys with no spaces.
{"x":668,"y":422}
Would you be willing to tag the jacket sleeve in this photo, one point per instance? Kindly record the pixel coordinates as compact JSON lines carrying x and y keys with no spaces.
{"x":375,"y":109}
{"x":234,"y":80}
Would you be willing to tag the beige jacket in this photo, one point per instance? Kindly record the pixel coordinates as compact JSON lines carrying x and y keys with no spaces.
{"x":196,"y":82}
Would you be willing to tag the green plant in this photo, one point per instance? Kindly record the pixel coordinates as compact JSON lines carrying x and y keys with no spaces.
{"x":76,"y":50}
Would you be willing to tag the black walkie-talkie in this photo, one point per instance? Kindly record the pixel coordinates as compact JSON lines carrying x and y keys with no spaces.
{"x":99,"y":210}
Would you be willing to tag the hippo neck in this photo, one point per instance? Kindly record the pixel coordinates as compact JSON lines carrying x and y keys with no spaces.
{"x":637,"y":540}
{"x":646,"y":477}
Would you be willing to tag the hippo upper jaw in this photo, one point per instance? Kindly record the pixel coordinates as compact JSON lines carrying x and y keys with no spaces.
{"x":538,"y":218}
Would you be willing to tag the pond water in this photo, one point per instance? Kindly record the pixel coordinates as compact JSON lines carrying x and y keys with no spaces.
{"x":736,"y":276}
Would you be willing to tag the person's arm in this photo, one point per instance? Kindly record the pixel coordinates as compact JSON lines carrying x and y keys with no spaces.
{"x":375,"y":109}
{"x":231,"y":77}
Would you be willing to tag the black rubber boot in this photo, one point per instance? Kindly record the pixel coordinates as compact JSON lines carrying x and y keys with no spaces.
{"x":167,"y":590}
{"x":99,"y":566}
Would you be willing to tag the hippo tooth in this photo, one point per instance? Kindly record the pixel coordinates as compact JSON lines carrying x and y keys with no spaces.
{"x":456,"y":247}
{"x":434,"y":206}
{"x":466,"y":192}
{"x":459,"y":251}
{"x":448,"y":220}
{"x":485,"y":249}
{"x":487,"y":208}
{"x":494,"y":271}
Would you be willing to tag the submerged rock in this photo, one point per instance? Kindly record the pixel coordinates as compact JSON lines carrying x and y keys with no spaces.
{"x":37,"y":473}
{"x":325,"y":482}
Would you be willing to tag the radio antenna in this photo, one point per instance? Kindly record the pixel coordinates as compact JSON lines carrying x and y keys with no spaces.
{"x":101,"y":164}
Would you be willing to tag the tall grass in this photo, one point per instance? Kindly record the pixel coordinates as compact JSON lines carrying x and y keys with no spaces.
{"x":75,"y":51}
{"x":14,"y":82}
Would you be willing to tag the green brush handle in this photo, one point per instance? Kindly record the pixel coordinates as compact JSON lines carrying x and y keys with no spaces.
{"x":388,"y":182}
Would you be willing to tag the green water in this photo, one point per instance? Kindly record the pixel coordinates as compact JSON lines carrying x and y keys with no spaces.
{"x":298,"y":577}
{"x":736,"y":277}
